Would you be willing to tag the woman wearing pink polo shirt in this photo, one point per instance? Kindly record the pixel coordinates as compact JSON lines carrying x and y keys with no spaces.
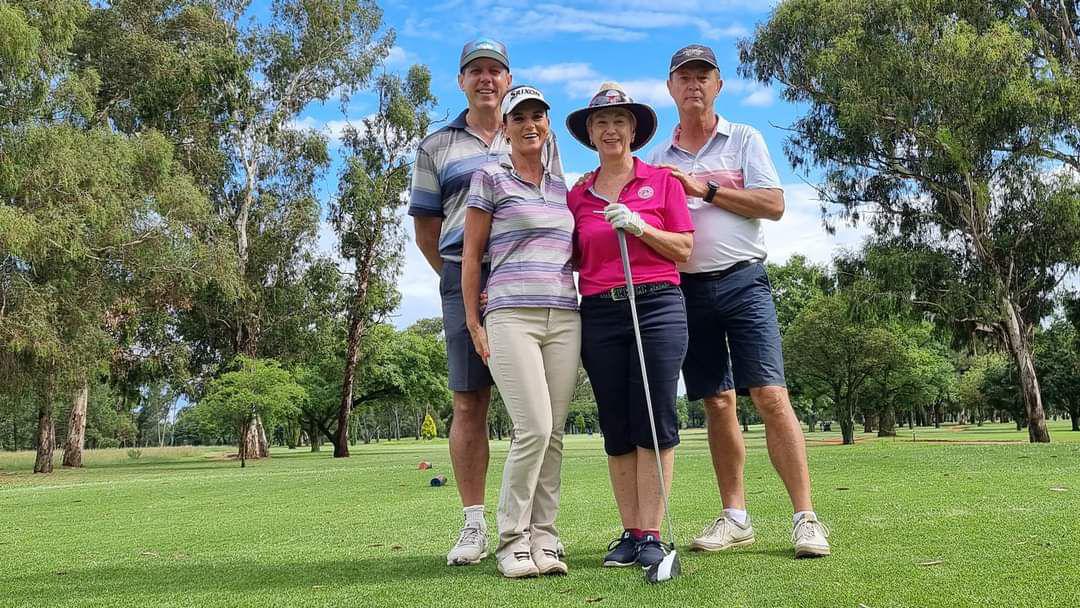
{"x":650,"y":205}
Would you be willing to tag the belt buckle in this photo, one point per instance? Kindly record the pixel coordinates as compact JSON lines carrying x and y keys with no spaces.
{"x":618,"y":293}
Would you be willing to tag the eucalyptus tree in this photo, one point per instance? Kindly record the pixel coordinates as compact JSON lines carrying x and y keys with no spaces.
{"x":1058,"y":349}
{"x":367,"y":212}
{"x":952,"y":123}
{"x":257,"y":389}
{"x":97,"y":225}
{"x":832,"y":354}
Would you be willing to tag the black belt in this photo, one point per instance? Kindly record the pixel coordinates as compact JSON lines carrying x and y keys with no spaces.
{"x":717,"y":274}
{"x":619,"y":293}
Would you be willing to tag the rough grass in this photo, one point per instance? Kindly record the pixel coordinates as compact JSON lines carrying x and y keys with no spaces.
{"x":926,"y":523}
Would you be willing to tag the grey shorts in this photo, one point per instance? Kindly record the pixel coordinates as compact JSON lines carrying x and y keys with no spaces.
{"x":467,"y":369}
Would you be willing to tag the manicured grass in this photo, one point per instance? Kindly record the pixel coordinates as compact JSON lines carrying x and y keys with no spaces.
{"x":930,"y":523}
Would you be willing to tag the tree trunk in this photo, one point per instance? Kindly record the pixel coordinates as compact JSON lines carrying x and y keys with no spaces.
{"x":1017,"y":339}
{"x":249,"y":442}
{"x":1074,"y":416}
{"x":887,"y":422}
{"x":315,"y":437}
{"x":260,"y":436}
{"x":245,"y":444}
{"x":868,"y":422}
{"x":76,"y":435}
{"x":847,"y":430}
{"x":46,"y":437}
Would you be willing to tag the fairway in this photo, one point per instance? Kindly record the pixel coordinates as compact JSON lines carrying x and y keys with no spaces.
{"x":931,"y":523}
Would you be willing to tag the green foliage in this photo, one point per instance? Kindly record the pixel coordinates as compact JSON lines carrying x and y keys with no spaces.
{"x":428,"y":431}
{"x":258,"y":388}
{"x":831,"y":354}
{"x":952,"y":130}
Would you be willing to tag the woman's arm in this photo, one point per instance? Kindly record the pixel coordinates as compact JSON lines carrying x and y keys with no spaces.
{"x":675,"y":246}
{"x":477,"y":231}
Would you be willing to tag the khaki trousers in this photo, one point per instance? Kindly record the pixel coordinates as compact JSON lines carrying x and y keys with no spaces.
{"x":534,"y":361}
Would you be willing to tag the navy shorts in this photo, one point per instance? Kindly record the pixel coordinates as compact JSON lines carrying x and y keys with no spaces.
{"x":609,"y":355}
{"x":467,"y":369}
{"x":734,"y":336}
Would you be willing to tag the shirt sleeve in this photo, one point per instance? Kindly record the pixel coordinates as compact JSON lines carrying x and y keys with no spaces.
{"x":481,"y":192}
{"x":425,"y":195}
{"x":758,"y":168}
{"x":676,"y":213}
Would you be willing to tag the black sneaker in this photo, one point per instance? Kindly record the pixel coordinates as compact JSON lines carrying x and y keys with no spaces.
{"x":650,"y":550}
{"x":622,"y":551}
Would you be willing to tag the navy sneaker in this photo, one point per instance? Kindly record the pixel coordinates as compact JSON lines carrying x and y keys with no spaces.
{"x":622,"y":551}
{"x":650,"y":550}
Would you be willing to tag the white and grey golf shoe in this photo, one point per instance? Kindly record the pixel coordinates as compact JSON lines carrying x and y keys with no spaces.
{"x":811,"y":538}
{"x":471,"y":547}
{"x":724,"y":533}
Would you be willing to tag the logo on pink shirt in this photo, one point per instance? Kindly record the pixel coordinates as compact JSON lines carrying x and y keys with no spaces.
{"x":645,"y":192}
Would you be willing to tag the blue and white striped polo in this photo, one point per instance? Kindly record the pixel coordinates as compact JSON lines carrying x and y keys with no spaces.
{"x":445,"y":163}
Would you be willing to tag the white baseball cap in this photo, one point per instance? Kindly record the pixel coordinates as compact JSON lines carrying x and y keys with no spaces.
{"x":520,"y":94}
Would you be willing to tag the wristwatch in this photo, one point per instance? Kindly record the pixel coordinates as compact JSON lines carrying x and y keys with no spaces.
{"x":713,"y":187}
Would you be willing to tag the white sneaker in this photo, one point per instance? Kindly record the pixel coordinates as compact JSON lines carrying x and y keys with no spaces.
{"x":471,"y":547}
{"x":518,"y":564}
{"x":547,"y":561}
{"x":811,"y":538}
{"x":724,"y":533}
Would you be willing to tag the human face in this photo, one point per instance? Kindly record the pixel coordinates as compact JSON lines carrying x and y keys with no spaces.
{"x":611,"y":131}
{"x":694,"y":86}
{"x":484,"y":82}
{"x":527,"y":126}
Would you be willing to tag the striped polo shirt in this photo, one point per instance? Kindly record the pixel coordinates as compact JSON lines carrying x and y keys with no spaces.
{"x":531,"y":240}
{"x":735,"y":156}
{"x":445,"y":162}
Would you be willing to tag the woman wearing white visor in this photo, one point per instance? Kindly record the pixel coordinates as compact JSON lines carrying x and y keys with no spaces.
{"x":529,"y":334}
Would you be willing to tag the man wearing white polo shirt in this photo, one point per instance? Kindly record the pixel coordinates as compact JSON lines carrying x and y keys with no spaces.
{"x":731,"y":185}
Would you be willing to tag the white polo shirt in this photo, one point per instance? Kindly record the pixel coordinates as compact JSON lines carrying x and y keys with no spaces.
{"x":734,"y":157}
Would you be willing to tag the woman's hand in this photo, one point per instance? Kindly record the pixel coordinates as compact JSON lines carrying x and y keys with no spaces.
{"x":621,"y":217}
{"x":480,"y":341}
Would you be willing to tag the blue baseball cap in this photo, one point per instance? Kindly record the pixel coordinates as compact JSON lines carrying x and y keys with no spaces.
{"x":484,"y":47}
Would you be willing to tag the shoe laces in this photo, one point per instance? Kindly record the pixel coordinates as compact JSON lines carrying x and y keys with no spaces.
{"x":625,"y":537}
{"x":649,"y":541}
{"x":807,"y":528}
{"x":717,"y":527}
{"x":471,"y":535}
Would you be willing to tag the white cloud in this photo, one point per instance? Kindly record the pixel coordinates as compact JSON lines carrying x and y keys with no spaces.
{"x":759,"y":99}
{"x":556,"y":72}
{"x":581,"y":81}
{"x":801,"y":231}
{"x":619,"y":21}
{"x":398,"y":57}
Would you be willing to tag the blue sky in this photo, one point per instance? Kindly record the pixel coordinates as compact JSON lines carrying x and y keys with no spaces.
{"x":567,"y":49}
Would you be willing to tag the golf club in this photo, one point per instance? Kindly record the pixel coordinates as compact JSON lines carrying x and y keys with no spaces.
{"x":667,"y":568}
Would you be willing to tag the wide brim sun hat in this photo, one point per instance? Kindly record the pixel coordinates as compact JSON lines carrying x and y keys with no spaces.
{"x":611,"y":95}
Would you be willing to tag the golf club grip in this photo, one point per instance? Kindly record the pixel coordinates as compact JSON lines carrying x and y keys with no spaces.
{"x":625,"y":255}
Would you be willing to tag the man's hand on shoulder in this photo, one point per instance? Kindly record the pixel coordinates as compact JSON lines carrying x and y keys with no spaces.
{"x":581,"y":180}
{"x":692,"y":185}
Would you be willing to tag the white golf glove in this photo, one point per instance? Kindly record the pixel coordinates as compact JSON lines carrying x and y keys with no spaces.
{"x":620,"y":216}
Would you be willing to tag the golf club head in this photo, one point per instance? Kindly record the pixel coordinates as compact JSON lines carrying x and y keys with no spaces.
{"x":665,"y":569}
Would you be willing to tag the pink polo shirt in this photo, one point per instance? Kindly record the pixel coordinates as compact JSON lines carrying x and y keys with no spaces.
{"x":660,"y":200}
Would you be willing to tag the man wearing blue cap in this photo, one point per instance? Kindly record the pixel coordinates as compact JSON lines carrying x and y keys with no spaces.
{"x":731,"y":185}
{"x":445,"y":162}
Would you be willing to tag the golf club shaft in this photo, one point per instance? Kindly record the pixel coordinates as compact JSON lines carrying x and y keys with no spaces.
{"x":625,"y":255}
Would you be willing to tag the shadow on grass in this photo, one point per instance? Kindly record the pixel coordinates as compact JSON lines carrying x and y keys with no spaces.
{"x":170,"y":576}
